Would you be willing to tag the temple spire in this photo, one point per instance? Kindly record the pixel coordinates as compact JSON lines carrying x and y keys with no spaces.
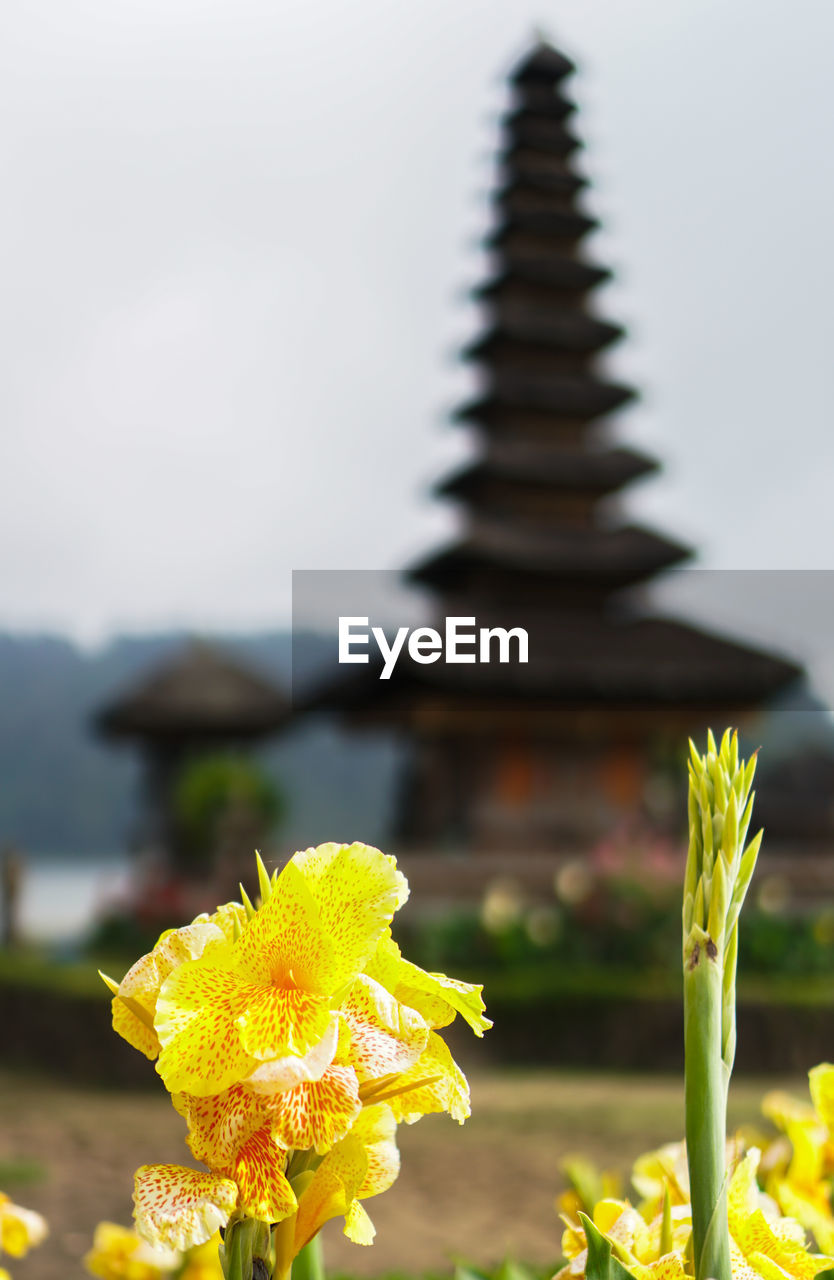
{"x":533,"y":498}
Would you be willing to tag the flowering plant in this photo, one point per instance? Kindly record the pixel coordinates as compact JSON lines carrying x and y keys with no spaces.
{"x":709,"y":1210}
{"x":20,"y":1230}
{"x":293,"y":1037}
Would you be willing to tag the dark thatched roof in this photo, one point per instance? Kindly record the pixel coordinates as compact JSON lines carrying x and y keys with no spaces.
{"x":201,"y":693}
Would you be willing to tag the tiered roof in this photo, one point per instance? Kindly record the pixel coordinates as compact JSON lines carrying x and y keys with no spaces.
{"x":541,"y":545}
{"x":532,"y":496}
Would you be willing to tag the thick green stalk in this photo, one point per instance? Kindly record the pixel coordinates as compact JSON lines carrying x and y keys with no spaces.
{"x":309,"y":1265}
{"x":718,"y":873}
{"x":245,"y":1252}
{"x":706,"y":1111}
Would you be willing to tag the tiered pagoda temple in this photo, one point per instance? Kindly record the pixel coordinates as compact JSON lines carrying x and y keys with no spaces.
{"x":550,"y":755}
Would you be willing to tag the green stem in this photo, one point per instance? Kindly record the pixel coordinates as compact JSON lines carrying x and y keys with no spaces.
{"x":244,"y":1254}
{"x":309,"y":1264}
{"x":707,"y":1080}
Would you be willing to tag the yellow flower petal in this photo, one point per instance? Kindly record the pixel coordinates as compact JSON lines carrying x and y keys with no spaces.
{"x":781,"y":1242}
{"x":140,"y":985}
{"x":179,"y":1208}
{"x":316,"y":1114}
{"x":281,"y":1021}
{"x":782,"y":1109}
{"x":386,"y":1037}
{"x":203,"y":1262}
{"x":357,"y":889}
{"x":279,"y":1074}
{"x":661,"y":1170}
{"x":285,"y":942}
{"x":821,"y":1080}
{"x":230,"y":919}
{"x":220,"y":1124}
{"x":447,"y":1090}
{"x":259,"y":1172}
{"x":119,"y":1254}
{"x":20,"y":1229}
{"x":334,"y":1187}
{"x":376,"y":1129}
{"x":358,"y":1226}
{"x":670,"y":1267}
{"x":196,"y":1020}
{"x":435,"y":996}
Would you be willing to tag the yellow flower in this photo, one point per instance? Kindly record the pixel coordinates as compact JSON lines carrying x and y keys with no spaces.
{"x":280,"y":1032}
{"x":587,"y":1187}
{"x":361,"y":1165}
{"x":636,"y":1242}
{"x":271,"y":993}
{"x":202,"y":1262}
{"x":765,"y":1243}
{"x":20,"y":1229}
{"x":658,"y":1172}
{"x":119,"y":1254}
{"x":800,"y":1183}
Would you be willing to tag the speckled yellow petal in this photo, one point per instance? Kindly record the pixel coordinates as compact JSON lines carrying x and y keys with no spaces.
{"x":333,"y":1189}
{"x":285,"y":942}
{"x":670,"y":1267}
{"x":447,"y":1092}
{"x":358,"y":1226}
{"x":765,"y":1267}
{"x":135,"y":1029}
{"x":140,"y":985}
{"x":781,"y":1241}
{"x":278,"y":1074}
{"x":230,"y":918}
{"x":435,"y":996}
{"x":197,"y":1012}
{"x":178,"y":1208}
{"x":220,"y":1124}
{"x":385,"y":1036}
{"x":282,"y":1021}
{"x":376,"y":1129}
{"x":259,"y":1173}
{"x":357,"y":890}
{"x":316,"y":1114}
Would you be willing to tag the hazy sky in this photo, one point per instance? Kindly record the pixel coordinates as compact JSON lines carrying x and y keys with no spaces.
{"x":235,"y":240}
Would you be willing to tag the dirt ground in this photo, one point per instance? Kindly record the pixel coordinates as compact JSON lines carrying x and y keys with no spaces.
{"x":479,"y":1193}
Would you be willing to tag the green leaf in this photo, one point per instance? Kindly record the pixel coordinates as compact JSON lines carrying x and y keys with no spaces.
{"x":464,"y":1272}
{"x":601,"y":1264}
{"x":510,"y":1270}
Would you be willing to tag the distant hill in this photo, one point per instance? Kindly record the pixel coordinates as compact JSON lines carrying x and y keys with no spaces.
{"x":63,"y":791}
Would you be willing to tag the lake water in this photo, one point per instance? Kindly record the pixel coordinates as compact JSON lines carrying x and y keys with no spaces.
{"x":60,"y":897}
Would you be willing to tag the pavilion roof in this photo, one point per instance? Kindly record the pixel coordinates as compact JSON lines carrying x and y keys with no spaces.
{"x":201,"y":692}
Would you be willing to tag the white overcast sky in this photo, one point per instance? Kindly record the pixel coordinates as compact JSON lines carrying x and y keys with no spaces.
{"x":235,"y":240}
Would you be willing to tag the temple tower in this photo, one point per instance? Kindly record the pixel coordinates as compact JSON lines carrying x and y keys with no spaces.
{"x":552,"y":755}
